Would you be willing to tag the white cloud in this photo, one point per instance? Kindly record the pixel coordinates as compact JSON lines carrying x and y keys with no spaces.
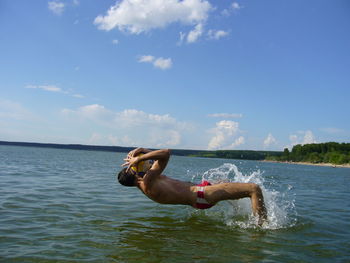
{"x":162,"y":63}
{"x":146,"y":58}
{"x":269,"y":141}
{"x":182,"y":38}
{"x":56,"y":7}
{"x":169,"y":138}
{"x":137,"y":16}
{"x":226,"y":115}
{"x":55,"y":89}
{"x":194,"y":34}
{"x":240,"y":140}
{"x":302,"y":137}
{"x":236,"y":6}
{"x":95,"y":138}
{"x":232,"y":8}
{"x":115,"y":41}
{"x":141,"y":128}
{"x":93,"y":112}
{"x":14,"y":111}
{"x":51,"y":88}
{"x":224,"y":133}
{"x":102,"y":139}
{"x":217,"y":34}
{"x":309,"y":137}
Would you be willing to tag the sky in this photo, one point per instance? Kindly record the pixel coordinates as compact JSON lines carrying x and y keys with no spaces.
{"x":190,"y":74}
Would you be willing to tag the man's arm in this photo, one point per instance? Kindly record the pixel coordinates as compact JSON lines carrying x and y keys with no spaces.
{"x":161,"y":158}
{"x":137,"y":151}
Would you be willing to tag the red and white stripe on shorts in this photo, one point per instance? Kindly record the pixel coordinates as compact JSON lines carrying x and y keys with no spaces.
{"x":201,"y":203}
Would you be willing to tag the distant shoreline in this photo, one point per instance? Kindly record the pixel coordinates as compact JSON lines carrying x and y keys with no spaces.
{"x":120,"y":149}
{"x":313,"y":164}
{"x":242,"y":155}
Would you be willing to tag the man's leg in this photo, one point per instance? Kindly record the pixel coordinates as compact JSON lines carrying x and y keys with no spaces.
{"x":233,"y":191}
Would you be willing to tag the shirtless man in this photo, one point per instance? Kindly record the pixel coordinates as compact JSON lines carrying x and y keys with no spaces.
{"x":165,"y":190}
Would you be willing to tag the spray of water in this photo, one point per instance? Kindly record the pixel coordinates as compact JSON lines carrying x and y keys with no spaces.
{"x":280,"y":205}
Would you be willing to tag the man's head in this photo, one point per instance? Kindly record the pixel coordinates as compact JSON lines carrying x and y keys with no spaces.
{"x":126,"y":178}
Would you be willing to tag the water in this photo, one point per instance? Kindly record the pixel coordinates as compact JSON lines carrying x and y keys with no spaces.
{"x":66,"y":206}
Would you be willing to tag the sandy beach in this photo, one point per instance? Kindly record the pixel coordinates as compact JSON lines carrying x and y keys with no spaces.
{"x":314,"y":164}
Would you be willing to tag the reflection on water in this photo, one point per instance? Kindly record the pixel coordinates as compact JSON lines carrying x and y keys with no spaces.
{"x":194,"y":238}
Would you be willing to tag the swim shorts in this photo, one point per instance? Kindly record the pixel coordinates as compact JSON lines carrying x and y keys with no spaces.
{"x":201,"y":202}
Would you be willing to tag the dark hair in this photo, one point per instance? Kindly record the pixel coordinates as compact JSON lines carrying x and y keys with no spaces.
{"x":126,"y":178}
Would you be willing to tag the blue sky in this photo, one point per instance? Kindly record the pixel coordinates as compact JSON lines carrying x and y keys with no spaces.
{"x":193,"y":74}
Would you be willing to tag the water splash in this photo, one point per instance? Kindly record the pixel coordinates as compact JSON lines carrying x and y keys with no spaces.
{"x":280,"y":205}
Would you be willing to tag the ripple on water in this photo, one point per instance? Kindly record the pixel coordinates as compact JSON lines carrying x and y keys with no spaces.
{"x":65,"y":206}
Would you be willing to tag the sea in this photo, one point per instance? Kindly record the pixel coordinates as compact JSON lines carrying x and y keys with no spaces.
{"x":60,"y":205}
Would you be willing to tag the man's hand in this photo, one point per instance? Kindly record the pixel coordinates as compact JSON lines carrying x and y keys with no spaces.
{"x":130,"y":161}
{"x":161,"y":158}
{"x":137,"y":151}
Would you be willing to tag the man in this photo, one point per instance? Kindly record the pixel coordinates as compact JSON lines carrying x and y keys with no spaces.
{"x":165,"y":190}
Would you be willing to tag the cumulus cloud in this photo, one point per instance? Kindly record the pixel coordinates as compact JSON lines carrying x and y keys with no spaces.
{"x":169,"y":138}
{"x":93,"y":112}
{"x":302,"y":137}
{"x":225,"y":134}
{"x":232,"y":8}
{"x":137,"y":16}
{"x":226,"y":115}
{"x":56,"y":7}
{"x":235,"y":6}
{"x":140,"y":16}
{"x":309,"y":137}
{"x":195,"y":34}
{"x":161,"y":63}
{"x":269,"y":141}
{"x":240,"y":140}
{"x":141,"y":128}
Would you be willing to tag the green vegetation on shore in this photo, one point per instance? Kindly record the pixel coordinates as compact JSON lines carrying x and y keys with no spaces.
{"x":229,"y":154}
{"x":330,"y":152}
{"x":238,"y":154}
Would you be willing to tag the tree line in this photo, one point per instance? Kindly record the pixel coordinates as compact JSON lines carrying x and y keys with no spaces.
{"x":238,"y":154}
{"x":330,"y":152}
{"x":227,"y":154}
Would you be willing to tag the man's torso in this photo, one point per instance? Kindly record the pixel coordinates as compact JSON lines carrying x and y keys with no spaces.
{"x":166,"y":190}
